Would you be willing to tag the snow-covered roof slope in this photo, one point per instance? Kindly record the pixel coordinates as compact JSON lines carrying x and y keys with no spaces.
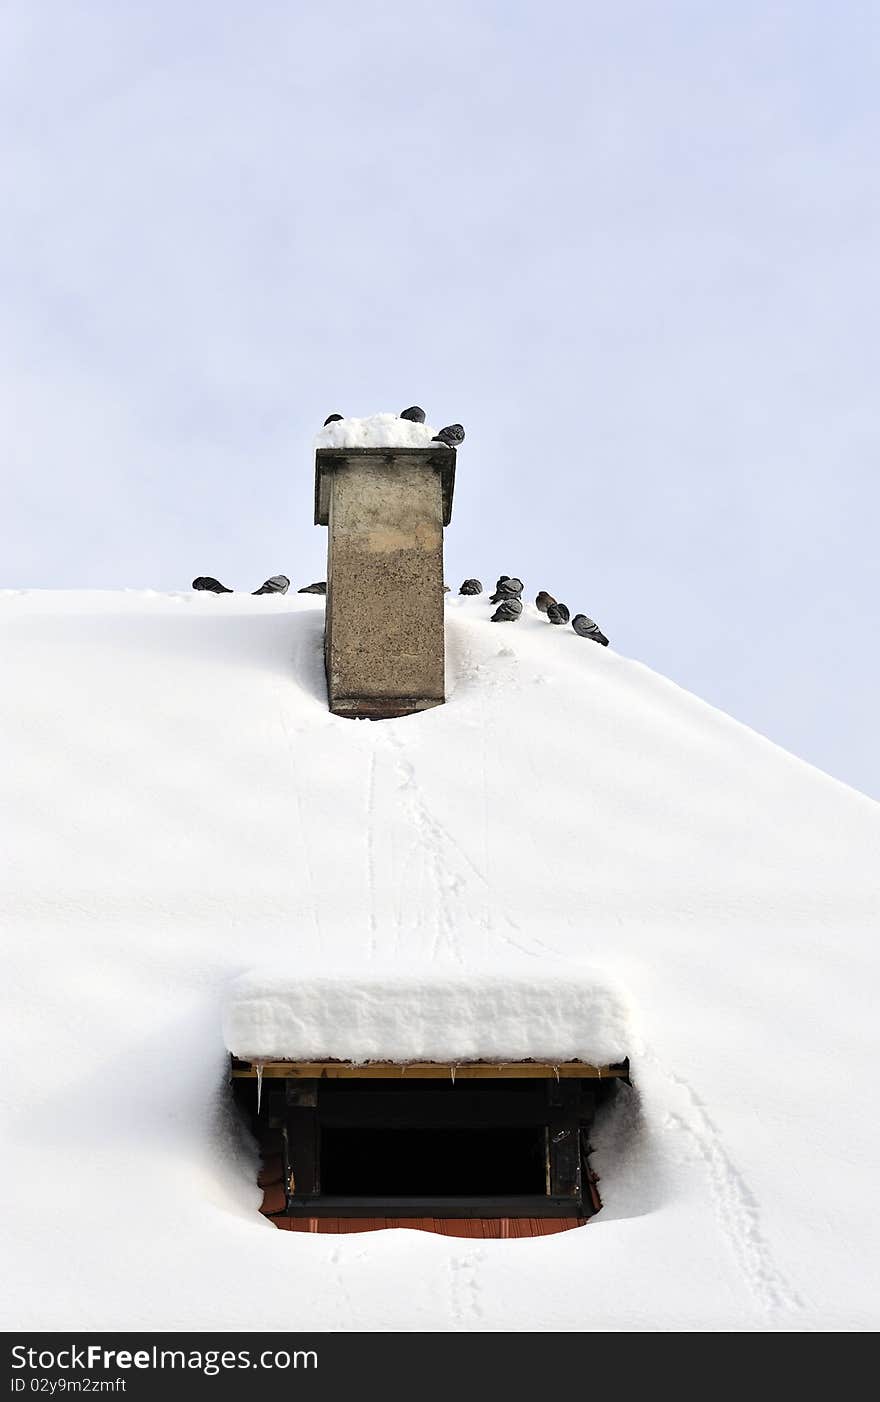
{"x":458,"y":1015}
{"x":375,"y":431}
{"x":180,"y":806}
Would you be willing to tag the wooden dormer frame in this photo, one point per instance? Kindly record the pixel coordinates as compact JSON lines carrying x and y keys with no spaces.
{"x":430,"y":1070}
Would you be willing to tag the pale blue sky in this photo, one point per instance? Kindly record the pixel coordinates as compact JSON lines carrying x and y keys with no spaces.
{"x":631,"y":246}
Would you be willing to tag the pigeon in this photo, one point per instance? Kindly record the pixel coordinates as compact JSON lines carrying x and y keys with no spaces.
{"x":451,"y":435}
{"x":544,"y":600}
{"x":586,"y":628}
{"x":471,"y":586}
{"x":277,"y":584}
{"x":332,"y":419}
{"x":558,"y":613}
{"x":507,"y":588}
{"x":213,"y":586}
{"x":507,"y":612}
{"x":414,"y":414}
{"x":319,"y":588}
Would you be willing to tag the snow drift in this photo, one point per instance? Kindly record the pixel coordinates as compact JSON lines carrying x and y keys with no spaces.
{"x":474,"y":1017}
{"x":180,"y":807}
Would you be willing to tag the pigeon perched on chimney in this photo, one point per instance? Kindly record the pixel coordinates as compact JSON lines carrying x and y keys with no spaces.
{"x":332,"y":419}
{"x":507,"y":612}
{"x":213,"y":586}
{"x":451,"y":435}
{"x":319,"y":588}
{"x":277,"y":584}
{"x":414,"y":414}
{"x":586,"y":628}
{"x":471,"y":586}
{"x":558,"y":613}
{"x":544,"y":600}
{"x":507,"y":588}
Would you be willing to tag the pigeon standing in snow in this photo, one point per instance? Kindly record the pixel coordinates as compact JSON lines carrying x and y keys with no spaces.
{"x":332,"y":419}
{"x":558,"y":613}
{"x":213,"y":586}
{"x":414,"y":414}
{"x":544,"y":600}
{"x":507,"y":588}
{"x":277,"y":584}
{"x":319,"y":588}
{"x":471,"y":586}
{"x":451,"y":435}
{"x":586,"y":628}
{"x":507,"y":612}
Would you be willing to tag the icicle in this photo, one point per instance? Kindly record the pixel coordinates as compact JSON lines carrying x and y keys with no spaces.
{"x":259,"y":1066}
{"x":452,"y":1074}
{"x":556,"y":1074}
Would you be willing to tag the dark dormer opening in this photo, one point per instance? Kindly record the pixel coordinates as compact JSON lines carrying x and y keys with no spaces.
{"x":474,"y":1150}
{"x":432,"y":1163}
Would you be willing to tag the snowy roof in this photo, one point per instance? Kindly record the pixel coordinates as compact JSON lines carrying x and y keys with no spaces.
{"x":181,"y":807}
{"x":516,"y":1015}
{"x":376,"y":431}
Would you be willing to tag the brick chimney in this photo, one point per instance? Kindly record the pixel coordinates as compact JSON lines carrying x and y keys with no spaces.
{"x":385,"y":509}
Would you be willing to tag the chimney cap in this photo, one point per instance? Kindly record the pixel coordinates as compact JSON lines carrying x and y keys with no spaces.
{"x":331,"y":460}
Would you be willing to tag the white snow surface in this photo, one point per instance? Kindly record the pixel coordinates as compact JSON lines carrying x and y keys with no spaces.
{"x":470,"y":1015}
{"x":180,"y":807}
{"x":376,"y":431}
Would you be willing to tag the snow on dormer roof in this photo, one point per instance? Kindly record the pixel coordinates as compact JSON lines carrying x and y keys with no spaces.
{"x":505,"y":1015}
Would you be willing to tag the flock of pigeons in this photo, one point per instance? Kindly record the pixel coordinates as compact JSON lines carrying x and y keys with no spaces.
{"x":452,"y":435}
{"x":508,"y":597}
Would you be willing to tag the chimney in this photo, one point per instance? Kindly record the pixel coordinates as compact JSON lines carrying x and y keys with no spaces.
{"x":385,"y":509}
